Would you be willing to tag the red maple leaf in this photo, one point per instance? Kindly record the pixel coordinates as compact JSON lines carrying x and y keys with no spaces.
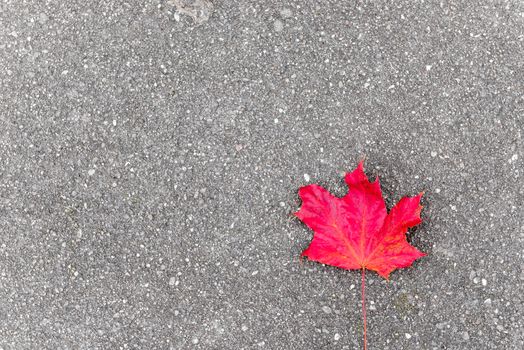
{"x":356,"y":231}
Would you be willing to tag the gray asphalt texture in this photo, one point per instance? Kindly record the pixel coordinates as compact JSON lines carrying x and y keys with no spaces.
{"x":151,"y":153}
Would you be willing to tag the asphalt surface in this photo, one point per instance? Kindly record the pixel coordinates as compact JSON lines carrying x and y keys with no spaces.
{"x":150,"y":156}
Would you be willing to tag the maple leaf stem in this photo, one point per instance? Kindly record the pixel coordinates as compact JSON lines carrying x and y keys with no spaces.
{"x":364,"y":307}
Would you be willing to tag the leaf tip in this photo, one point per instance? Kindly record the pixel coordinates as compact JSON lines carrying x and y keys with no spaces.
{"x":385,"y":275}
{"x":304,"y":253}
{"x":356,"y":176}
{"x":360,"y":165}
{"x":298,"y":214}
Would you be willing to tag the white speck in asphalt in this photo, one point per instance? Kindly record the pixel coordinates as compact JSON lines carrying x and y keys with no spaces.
{"x":306,"y":177}
{"x":408,"y":336}
{"x":337,"y":336}
{"x":91,"y":172}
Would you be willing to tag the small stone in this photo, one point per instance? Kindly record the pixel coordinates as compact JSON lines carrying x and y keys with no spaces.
{"x":244,"y":328}
{"x":408,"y":336}
{"x":337,"y":337}
{"x":484,"y":282}
{"x":172,"y":281}
{"x":42,"y":18}
{"x":238,"y":148}
{"x":433,"y":154}
{"x":372,"y":306}
{"x":326,"y":309}
{"x":91,"y":172}
{"x":278,"y":25}
{"x":286,"y":13}
{"x":306,"y":177}
{"x":465,"y":336}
